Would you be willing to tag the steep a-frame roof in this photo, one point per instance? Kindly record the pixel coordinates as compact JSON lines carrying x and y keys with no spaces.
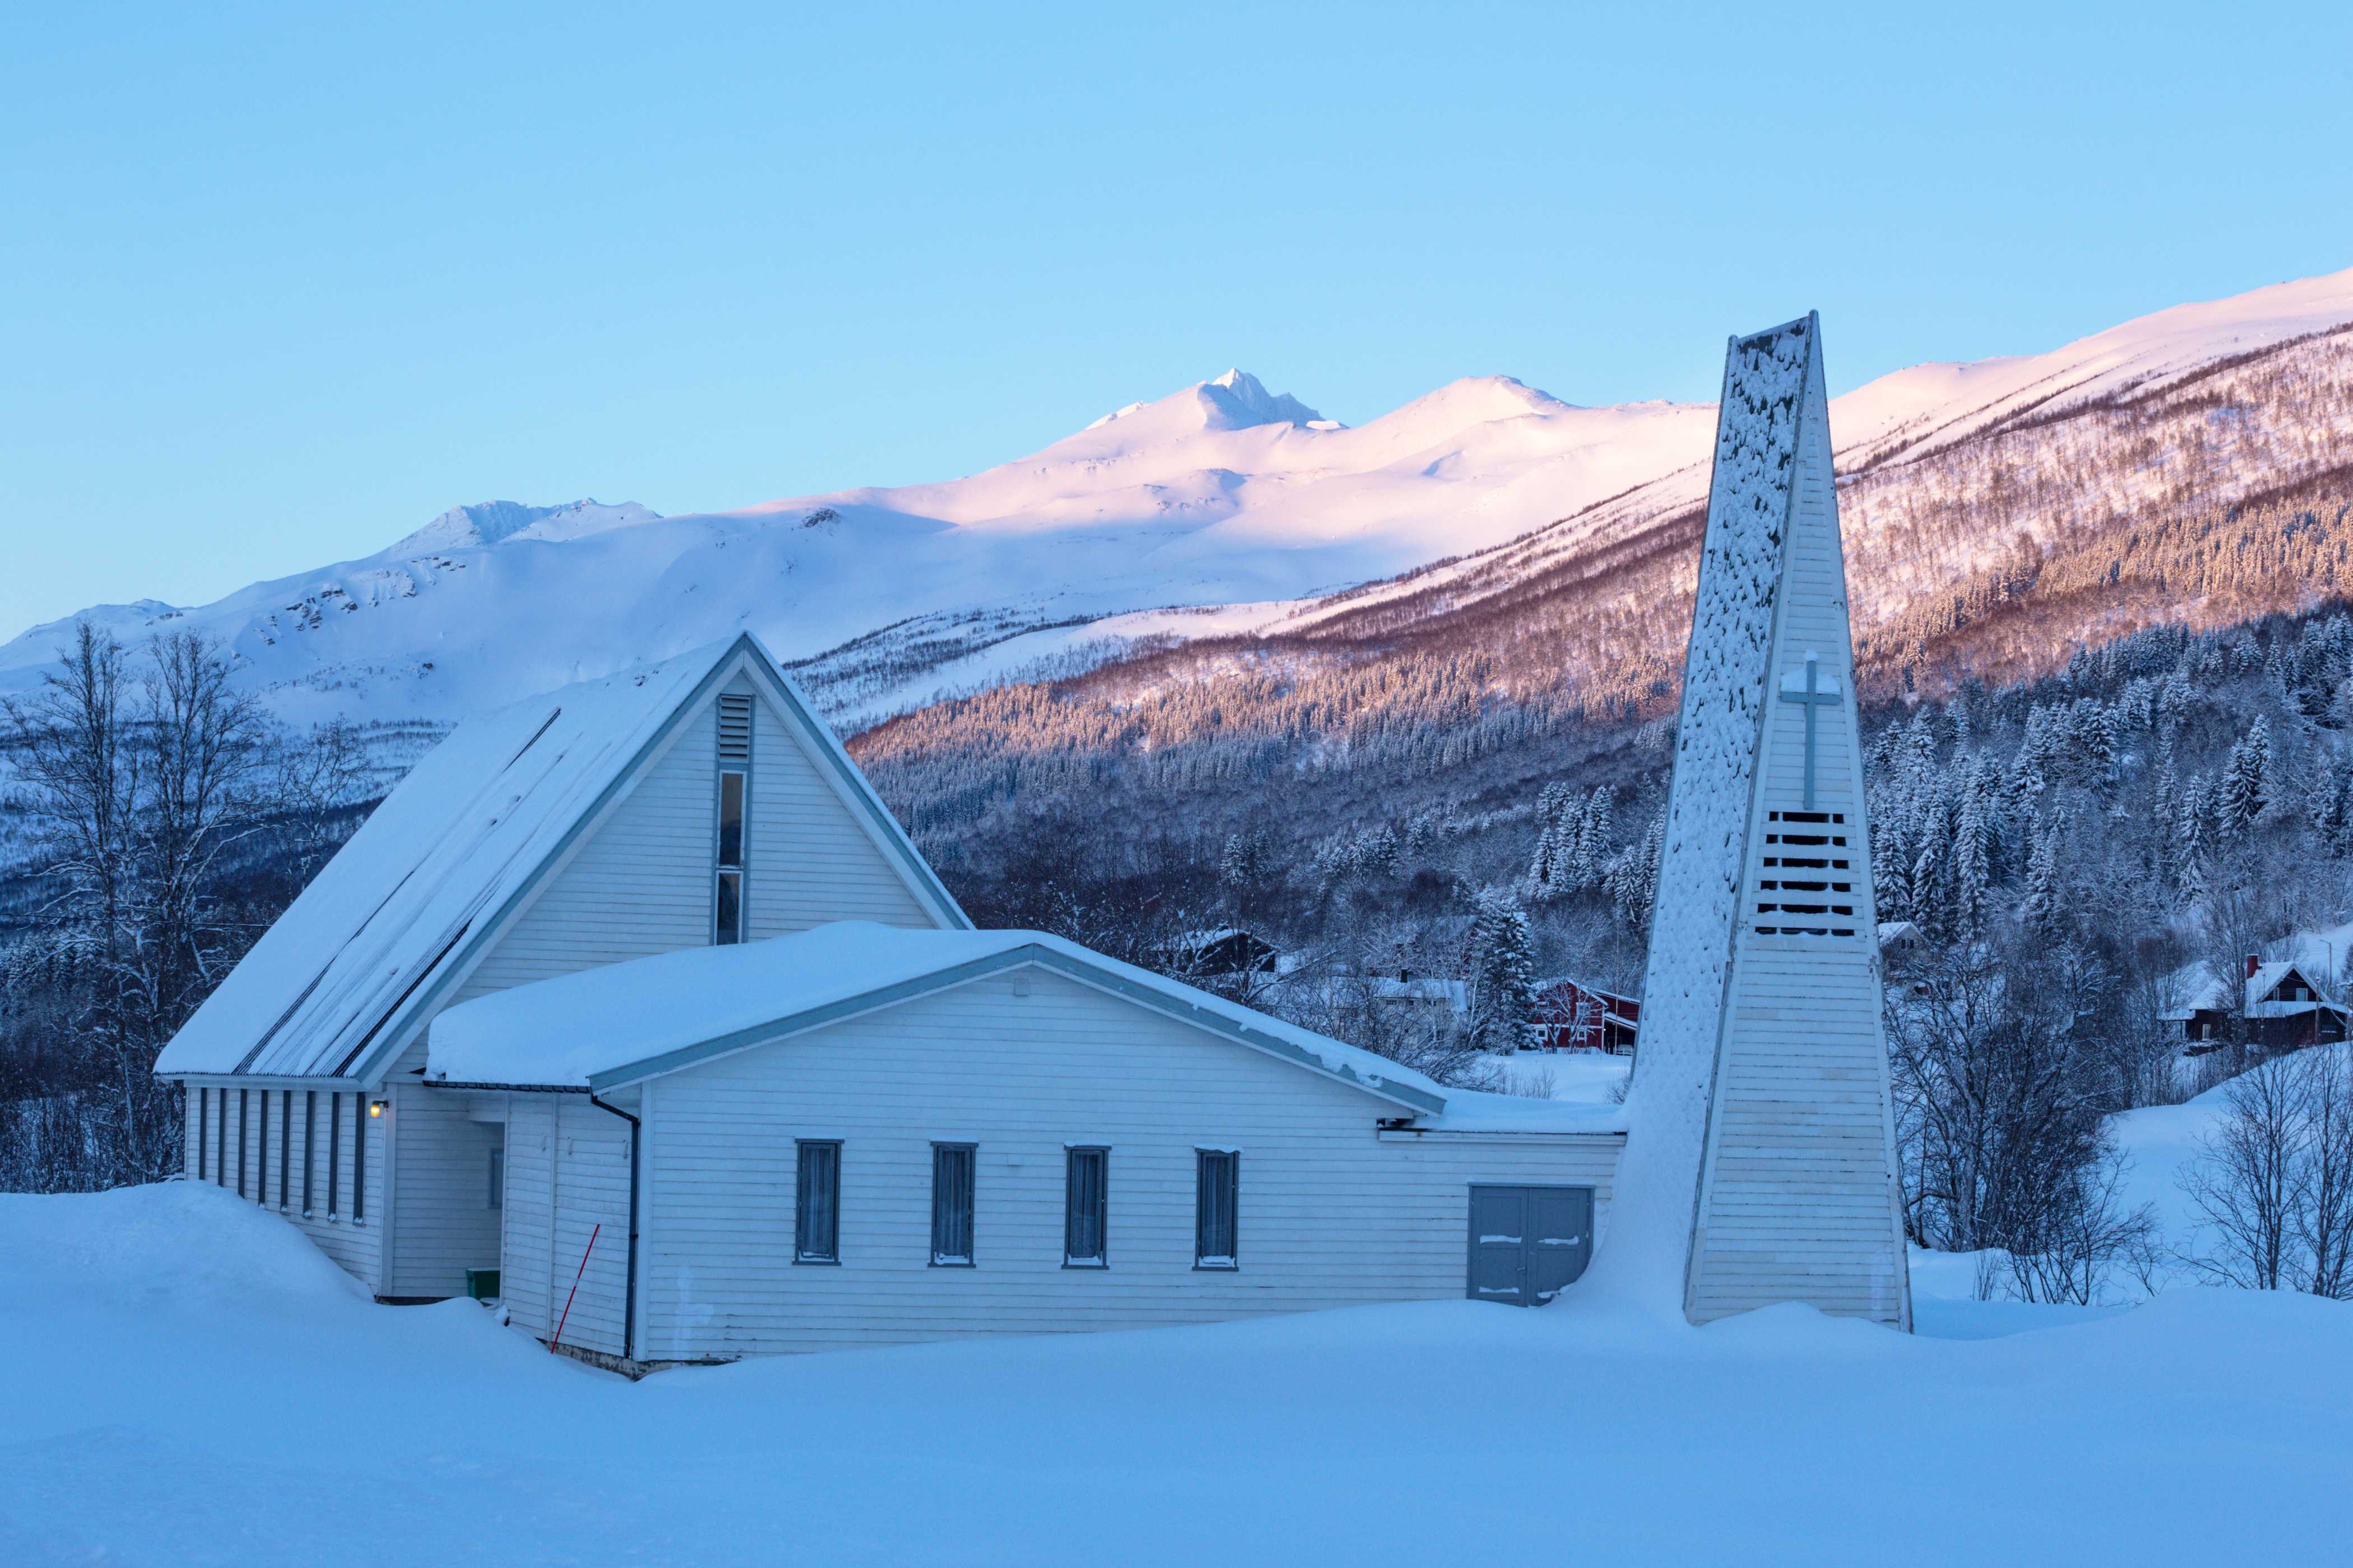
{"x":402,"y":913}
{"x":623,"y":1023}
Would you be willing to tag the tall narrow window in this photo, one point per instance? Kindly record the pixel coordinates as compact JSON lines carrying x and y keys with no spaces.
{"x":204,"y":1133}
{"x":261,"y":1152}
{"x":499,"y":1172}
{"x":735,"y":775}
{"x":951,"y":1169}
{"x":727,"y":911}
{"x":359,"y":1156}
{"x":334,"y":1154}
{"x":220,"y":1139}
{"x":310,"y":1142}
{"x":1085,"y":1208}
{"x":817,"y":1204}
{"x":244,"y":1136}
{"x":1216,"y":1191}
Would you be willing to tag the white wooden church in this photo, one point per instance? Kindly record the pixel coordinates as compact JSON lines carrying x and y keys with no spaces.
{"x":634,"y":1007}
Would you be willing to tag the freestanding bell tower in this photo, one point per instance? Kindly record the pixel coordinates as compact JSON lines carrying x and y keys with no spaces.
{"x":1761,"y":1166}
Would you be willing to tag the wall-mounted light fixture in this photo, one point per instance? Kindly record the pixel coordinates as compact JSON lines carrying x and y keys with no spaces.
{"x":375,"y":1107}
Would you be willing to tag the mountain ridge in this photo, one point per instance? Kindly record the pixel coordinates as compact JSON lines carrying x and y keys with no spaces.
{"x":1226,"y":511}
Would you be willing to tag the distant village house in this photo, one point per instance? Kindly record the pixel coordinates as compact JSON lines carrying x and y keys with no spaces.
{"x":2280,"y":1005}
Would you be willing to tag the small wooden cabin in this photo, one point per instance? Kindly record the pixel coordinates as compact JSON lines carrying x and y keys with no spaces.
{"x":2286,"y":1008}
{"x":2281,"y":1008}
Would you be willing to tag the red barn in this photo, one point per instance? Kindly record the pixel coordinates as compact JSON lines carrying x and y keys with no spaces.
{"x":1572,"y":1016}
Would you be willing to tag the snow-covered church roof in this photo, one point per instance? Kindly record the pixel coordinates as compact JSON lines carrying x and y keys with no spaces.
{"x":622,"y":1023}
{"x":403,"y":908}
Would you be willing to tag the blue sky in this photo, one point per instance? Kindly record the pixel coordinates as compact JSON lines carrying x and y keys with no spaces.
{"x":283,"y":282}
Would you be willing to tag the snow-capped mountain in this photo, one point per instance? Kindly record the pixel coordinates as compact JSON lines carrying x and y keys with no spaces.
{"x":1225,"y":510}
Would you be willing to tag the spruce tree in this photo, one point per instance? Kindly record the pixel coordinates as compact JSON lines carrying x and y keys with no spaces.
{"x":2041,"y":908}
{"x":2329,"y":808}
{"x":1593,"y":835}
{"x":2190,"y":837}
{"x":1634,"y":877}
{"x":2246,"y":781}
{"x":1971,"y":869}
{"x":1503,"y":975}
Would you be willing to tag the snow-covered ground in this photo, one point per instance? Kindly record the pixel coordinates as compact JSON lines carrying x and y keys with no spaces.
{"x":191,"y":1384}
{"x":1576,"y":1077}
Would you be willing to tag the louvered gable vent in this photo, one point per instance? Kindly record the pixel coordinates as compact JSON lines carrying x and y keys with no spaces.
{"x":735,"y":728}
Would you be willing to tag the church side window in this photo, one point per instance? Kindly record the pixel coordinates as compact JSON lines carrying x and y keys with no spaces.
{"x":733,"y":799}
{"x":1086,"y":1187}
{"x":358,"y":1157}
{"x":1216,"y":1191}
{"x":952,"y":1184}
{"x":816,"y":1203}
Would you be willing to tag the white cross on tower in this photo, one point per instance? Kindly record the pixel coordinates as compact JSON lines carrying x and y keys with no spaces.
{"x":1813,"y":697}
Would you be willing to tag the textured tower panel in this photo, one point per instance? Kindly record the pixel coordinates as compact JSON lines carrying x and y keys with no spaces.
{"x":1760,"y":1164}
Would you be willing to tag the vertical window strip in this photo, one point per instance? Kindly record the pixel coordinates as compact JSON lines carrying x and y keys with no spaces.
{"x":310,"y":1142}
{"x":220,"y":1139}
{"x":816,"y":1203}
{"x":727,"y":909}
{"x":261,"y":1151}
{"x":334,"y":1154}
{"x":951,"y":1204}
{"x":243,"y":1139}
{"x":285,"y":1142}
{"x":727,"y":858}
{"x":204,"y":1133}
{"x":359,"y":1156}
{"x":731,"y":813}
{"x":1217,"y":1208}
{"x":1086,"y":1208}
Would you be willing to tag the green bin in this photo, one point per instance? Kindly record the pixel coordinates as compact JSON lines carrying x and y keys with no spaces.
{"x":482,"y":1284}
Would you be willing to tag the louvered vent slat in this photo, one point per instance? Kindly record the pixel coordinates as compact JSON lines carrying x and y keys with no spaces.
{"x":734,"y":729}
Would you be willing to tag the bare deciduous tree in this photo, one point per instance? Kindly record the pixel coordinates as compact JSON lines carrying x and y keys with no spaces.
{"x":2246,"y":1184}
{"x":137,"y":781}
{"x":1995,"y":1099}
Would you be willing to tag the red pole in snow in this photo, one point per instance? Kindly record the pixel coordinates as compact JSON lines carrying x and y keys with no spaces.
{"x":575,"y":1288}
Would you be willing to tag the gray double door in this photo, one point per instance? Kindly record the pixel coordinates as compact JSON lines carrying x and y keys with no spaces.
{"x":1528,"y":1242}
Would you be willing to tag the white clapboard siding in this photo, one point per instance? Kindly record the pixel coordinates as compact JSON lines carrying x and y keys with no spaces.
{"x":527,"y":1243}
{"x":355,"y":1245}
{"x":811,"y":858}
{"x":444,"y":1224}
{"x":640,"y":884}
{"x":1331,"y":1213}
{"x":589,"y":1154}
{"x":1798,"y":1199}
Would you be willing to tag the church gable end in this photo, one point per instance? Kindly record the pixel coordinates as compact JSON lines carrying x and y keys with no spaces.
{"x":648,"y":877}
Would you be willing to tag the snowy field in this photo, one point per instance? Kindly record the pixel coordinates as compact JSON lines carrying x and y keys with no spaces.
{"x":193,"y":1384}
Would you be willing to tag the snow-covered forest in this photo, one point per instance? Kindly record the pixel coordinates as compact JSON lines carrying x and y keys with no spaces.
{"x":2079,"y":853}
